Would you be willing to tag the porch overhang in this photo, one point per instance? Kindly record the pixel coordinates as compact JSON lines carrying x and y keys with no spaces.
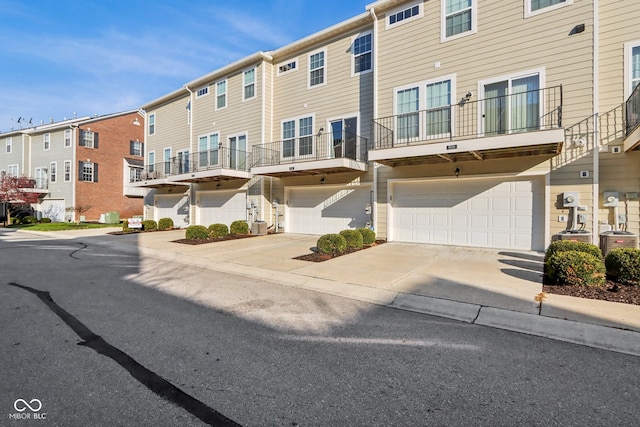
{"x":315,"y":167}
{"x":544,"y":142}
{"x":210,"y":175}
{"x":156,"y":183}
{"x":632,"y":141}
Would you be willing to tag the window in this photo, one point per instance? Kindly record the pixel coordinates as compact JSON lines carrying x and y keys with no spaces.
{"x":288,"y":67}
{"x":458,"y":18}
{"x":46,"y":141}
{"x":151,"y":162}
{"x":249,"y":84}
{"x":631,"y":67}
{"x":535,"y":7}
{"x":404,"y":15}
{"x":221,"y":94}
{"x":167,"y":161}
{"x":53,"y":171}
{"x":512,"y":104}
{"x":12,"y":170}
{"x":202,"y":91}
{"x":152,"y":124}
{"x":208,"y":146}
{"x":67,"y":170}
{"x":407,"y":105}
{"x":9,"y":143}
{"x":67,"y":138}
{"x":181,"y":162}
{"x":41,"y":178}
{"x":238,"y":152}
{"x":135,"y":174}
{"x":88,"y":172}
{"x":361,"y":50}
{"x":88,"y":139}
{"x":297,"y":137}
{"x":316,"y":69}
{"x":135,"y":148}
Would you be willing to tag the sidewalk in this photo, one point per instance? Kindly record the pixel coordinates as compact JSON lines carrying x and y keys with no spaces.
{"x":481,"y":286}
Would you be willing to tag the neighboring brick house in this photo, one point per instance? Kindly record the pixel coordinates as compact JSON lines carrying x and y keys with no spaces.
{"x":81,"y":167}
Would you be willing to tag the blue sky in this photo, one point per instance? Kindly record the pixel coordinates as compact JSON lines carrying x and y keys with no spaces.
{"x":61,"y":57}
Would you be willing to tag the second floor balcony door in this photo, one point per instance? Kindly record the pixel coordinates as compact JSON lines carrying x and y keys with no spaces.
{"x":344,"y":137}
{"x":512,"y":106}
{"x":238,"y":152}
{"x":182,"y":162}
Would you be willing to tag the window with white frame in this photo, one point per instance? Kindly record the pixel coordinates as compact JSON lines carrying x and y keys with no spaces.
{"x":135,"y":174}
{"x":249,"y":84}
{"x":152,"y":124}
{"x":208,"y":150}
{"x":631,"y":67}
{"x":135,"y":148}
{"x":53,"y":171}
{"x":458,"y":18}
{"x":362,"y":51}
{"x":535,"y":7}
{"x":151,"y":161}
{"x":297,"y":137}
{"x":46,"y":141}
{"x":13,"y":170}
{"x":88,"y":139}
{"x":67,"y":170}
{"x":167,"y":161}
{"x":316,"y":69}
{"x":41,"y":178}
{"x":238,"y":152}
{"x":9,"y":145}
{"x":67,"y":138}
{"x":204,"y":90}
{"x":288,"y":67}
{"x":404,"y":15}
{"x":221,"y":94}
{"x":88,"y":172}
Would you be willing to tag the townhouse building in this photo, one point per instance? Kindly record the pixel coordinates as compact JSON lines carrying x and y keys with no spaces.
{"x":81,"y":167}
{"x":465,"y":122}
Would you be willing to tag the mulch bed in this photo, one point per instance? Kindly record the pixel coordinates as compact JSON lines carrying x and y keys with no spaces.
{"x":318,"y":257}
{"x":214,"y":239}
{"x":611,"y":291}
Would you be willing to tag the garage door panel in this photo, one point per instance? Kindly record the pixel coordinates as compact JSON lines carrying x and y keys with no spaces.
{"x":472,"y":212}
{"x":174,"y":206}
{"x":221,"y":207}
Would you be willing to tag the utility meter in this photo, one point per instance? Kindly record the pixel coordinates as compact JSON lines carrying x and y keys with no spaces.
{"x":569,"y":199}
{"x":610,"y":199}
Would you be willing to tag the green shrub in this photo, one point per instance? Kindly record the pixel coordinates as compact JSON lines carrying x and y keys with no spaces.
{"x":197,"y":232}
{"x":353,"y":238}
{"x":576,"y":268}
{"x":332,"y":244}
{"x":149,"y":224}
{"x":125,"y":226}
{"x":239,"y":227}
{"x":29,"y":219}
{"x":569,"y":245}
{"x":218,"y":230}
{"x":165,"y":224}
{"x":368,"y":236}
{"x":45,"y":220}
{"x":623,"y":264}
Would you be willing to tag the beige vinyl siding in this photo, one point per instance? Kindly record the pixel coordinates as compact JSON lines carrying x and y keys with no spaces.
{"x":269,"y":73}
{"x":171,"y":127}
{"x":57,"y":153}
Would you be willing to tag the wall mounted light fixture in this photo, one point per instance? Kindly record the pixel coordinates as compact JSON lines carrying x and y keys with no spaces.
{"x":457,"y":172}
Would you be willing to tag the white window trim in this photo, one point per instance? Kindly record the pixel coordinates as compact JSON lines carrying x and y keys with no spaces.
{"x":204,"y":88}
{"x":309,"y":70}
{"x":93,"y":172}
{"x":528,"y":13}
{"x":53,"y":177}
{"x":46,"y":140}
{"x":297,"y":135}
{"x":353,"y":56}
{"x":443,"y":22}
{"x":166,"y":161}
{"x":70,"y":140}
{"x":150,"y":122}
{"x":628,"y":48}
{"x":255,"y":83}
{"x":141,"y":150}
{"x":8,"y":145}
{"x":422,"y":99}
{"x":288,"y":62}
{"x":14,"y":166}
{"x":226,"y":94}
{"x":404,"y":21}
{"x":64,"y":172}
{"x":151,"y":165}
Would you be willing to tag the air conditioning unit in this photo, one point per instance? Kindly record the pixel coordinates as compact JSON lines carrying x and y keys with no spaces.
{"x":574,"y":236}
{"x":617,"y":239}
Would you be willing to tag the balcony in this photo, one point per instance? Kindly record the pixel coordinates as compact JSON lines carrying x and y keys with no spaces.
{"x":38,"y":185}
{"x":324,"y":153}
{"x":632,"y":121}
{"x":521,"y":124}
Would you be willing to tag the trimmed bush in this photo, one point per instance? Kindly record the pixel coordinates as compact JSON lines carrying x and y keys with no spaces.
{"x":45,"y":220}
{"x":29,"y":219}
{"x":218,"y":230}
{"x":623,"y":265}
{"x":568,"y":245}
{"x":353,"y":238}
{"x":149,"y":224}
{"x":332,"y":244}
{"x":165,"y":224}
{"x":197,"y":232}
{"x":125,"y":226}
{"x":239,"y":227}
{"x":368,"y":236}
{"x":576,"y":268}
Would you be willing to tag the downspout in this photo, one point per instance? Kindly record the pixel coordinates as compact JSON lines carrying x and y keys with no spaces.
{"x":596,"y":118}
{"x":374,"y":208}
{"x":192,"y":190}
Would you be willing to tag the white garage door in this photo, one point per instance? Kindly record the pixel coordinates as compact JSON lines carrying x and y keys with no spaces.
{"x":53,"y":209}
{"x":222,"y":207}
{"x":473,"y":212}
{"x":323,"y":210}
{"x":174,"y":206}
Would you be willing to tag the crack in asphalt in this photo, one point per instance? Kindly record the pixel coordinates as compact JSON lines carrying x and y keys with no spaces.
{"x":146,"y":377}
{"x":72,"y":254}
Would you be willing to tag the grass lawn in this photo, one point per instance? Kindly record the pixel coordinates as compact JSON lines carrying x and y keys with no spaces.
{"x":62,"y":226}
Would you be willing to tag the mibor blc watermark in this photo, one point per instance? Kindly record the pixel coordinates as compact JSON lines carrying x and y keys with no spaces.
{"x":28,"y":410}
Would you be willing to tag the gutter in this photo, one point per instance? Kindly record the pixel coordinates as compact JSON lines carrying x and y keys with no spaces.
{"x":596,"y":118}
{"x":376,"y":167}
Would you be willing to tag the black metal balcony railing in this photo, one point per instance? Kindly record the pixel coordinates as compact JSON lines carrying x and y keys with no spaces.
{"x":220,"y":158}
{"x":322,"y":146}
{"x":528,"y":111}
{"x":632,"y":111}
